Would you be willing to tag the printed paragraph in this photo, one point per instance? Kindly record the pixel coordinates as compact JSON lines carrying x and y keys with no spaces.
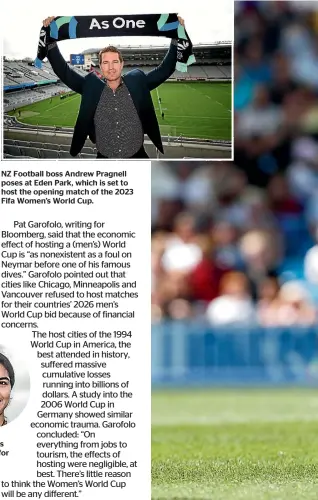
{"x":71,"y":270}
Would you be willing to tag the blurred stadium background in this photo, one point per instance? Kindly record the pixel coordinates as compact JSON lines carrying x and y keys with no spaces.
{"x":235,"y":282}
{"x":193,"y":108}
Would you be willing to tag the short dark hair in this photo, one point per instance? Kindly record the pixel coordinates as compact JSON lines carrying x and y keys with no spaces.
{"x":7,"y":365}
{"x":110,"y":48}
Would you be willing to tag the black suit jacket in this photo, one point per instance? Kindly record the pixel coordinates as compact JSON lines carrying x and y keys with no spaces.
{"x":91,"y":87}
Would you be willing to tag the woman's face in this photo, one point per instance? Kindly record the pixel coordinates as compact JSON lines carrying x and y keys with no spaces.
{"x":5,"y":389}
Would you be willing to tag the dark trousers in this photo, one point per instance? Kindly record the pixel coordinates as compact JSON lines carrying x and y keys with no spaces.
{"x":140,"y":154}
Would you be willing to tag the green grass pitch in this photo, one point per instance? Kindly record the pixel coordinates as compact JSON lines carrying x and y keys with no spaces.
{"x":200,"y":110}
{"x":226,"y":444}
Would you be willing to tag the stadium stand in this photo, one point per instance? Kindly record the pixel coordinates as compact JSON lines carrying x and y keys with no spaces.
{"x":60,"y":141}
{"x":219,"y":57}
{"x":33,"y":149}
{"x":20,"y":98}
{"x":80,"y":71}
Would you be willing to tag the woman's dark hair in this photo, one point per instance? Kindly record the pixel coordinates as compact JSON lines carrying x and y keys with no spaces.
{"x":7,"y":365}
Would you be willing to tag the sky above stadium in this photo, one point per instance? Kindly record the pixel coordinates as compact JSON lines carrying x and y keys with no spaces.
{"x":206,"y":22}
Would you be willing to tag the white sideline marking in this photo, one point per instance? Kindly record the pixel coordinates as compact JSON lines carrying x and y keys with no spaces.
{"x":223,"y":106}
{"x":198,"y":117}
{"x":196,"y":90}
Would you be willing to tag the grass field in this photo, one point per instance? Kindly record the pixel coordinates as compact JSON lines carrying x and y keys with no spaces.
{"x":253,"y":444}
{"x":201,"y":110}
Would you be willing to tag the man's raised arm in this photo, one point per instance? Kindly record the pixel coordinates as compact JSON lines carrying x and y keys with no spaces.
{"x":160,"y":74}
{"x":60,"y":67}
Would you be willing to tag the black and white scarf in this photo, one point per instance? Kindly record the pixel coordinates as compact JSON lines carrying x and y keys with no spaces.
{"x":71,"y":27}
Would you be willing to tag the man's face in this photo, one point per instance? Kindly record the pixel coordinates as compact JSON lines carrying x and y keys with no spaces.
{"x":5,"y":389}
{"x":111,"y":66}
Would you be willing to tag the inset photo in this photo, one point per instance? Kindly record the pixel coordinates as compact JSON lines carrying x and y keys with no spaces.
{"x":130,"y":84}
{"x":14,"y":385}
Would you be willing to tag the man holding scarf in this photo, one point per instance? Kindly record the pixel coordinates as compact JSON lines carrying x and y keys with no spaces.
{"x":116,"y":111}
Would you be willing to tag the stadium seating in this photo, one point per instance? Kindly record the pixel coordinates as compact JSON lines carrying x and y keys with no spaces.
{"x":80,"y":71}
{"x":12,"y":150}
{"x":215,"y":71}
{"x":34,"y":144}
{"x":23,"y":72}
{"x":227,"y":71}
{"x":54,"y":147}
{"x":23,"y":97}
{"x":64,"y":147}
{"x":196,"y":71}
{"x":29,"y":152}
{"x":10,"y":157}
{"x":87,"y":156}
{"x":25,"y":149}
{"x":88,"y":150}
{"x":65,"y":154}
{"x":48,"y":153}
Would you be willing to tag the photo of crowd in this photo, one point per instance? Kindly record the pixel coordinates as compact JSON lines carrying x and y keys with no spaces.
{"x":231,"y":251}
{"x":238,"y":242}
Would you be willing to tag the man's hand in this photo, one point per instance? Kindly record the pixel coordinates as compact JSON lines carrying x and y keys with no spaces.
{"x":48,"y":21}
{"x":181,"y":20}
